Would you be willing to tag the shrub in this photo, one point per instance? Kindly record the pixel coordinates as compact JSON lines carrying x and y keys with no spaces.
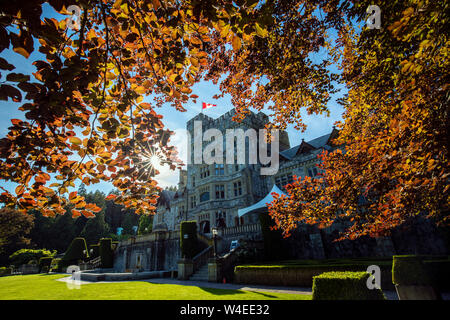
{"x":54,"y":266}
{"x":274,"y":246}
{"x":301,"y":275}
{"x":344,"y":286}
{"x":409,"y":270}
{"x":106,"y":253}
{"x":439,"y":271}
{"x":95,"y":251}
{"x":5,"y":271}
{"x":188,"y":239}
{"x":45,"y":263}
{"x":24,"y":256}
{"x":77,"y":251}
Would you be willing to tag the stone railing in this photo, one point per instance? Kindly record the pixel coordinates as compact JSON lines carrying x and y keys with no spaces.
{"x":149,"y":237}
{"x":202,"y":258}
{"x":242,"y":229}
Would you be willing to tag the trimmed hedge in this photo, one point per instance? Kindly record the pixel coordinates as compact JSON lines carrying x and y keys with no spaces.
{"x":45,"y":263}
{"x":302,"y":275}
{"x":5,"y":271}
{"x":410,"y":270}
{"x":344,"y":286}
{"x":95,"y":251}
{"x":106,"y":253}
{"x":24,"y":256}
{"x":188,"y":245}
{"x":55,"y":265}
{"x":439,"y":271}
{"x":74,"y":254}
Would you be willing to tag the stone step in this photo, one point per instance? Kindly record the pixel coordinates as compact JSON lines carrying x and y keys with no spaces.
{"x":198,"y":279}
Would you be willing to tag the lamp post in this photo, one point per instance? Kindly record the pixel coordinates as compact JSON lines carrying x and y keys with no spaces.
{"x":214,"y":232}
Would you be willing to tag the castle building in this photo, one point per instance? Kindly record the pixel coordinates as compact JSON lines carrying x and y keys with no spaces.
{"x":212,"y":194}
{"x":231,"y":197}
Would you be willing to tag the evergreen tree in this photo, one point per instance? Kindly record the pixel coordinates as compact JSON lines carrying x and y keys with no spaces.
{"x":145,"y":224}
{"x":64,"y":231}
{"x":95,"y":229}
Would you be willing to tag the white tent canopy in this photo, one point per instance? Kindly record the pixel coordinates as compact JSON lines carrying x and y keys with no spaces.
{"x":261,"y":203}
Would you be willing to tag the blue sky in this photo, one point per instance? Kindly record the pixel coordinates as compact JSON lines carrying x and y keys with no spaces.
{"x":317,"y":125}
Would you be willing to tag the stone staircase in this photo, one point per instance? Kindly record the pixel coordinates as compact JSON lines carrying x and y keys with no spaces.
{"x":201,"y":274}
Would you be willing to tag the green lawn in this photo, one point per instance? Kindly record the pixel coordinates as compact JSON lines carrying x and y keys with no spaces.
{"x":45,"y":287}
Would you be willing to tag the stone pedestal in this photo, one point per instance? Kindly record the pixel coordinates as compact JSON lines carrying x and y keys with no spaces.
{"x":214,"y":270}
{"x":185,"y":269}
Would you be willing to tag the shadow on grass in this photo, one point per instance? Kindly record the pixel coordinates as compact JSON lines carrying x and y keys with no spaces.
{"x":263,"y":294}
{"x":221,"y":291}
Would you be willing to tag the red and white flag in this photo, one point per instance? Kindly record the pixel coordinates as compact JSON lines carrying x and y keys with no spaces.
{"x":207,"y":105}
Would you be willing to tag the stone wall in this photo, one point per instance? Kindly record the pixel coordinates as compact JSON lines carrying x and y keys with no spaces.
{"x":421,"y":237}
{"x":154,"y":252}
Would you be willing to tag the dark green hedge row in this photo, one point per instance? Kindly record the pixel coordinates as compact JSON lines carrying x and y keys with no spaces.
{"x":5,"y":271}
{"x":76,"y":251}
{"x":106,"y":253}
{"x":421,"y":270}
{"x":24,"y":256}
{"x":344,"y":286}
{"x":44,"y":264}
{"x":301,"y":275}
{"x":94,"y":251}
{"x":188,"y":239}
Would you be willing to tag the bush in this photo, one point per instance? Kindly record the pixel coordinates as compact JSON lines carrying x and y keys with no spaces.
{"x":439,"y":271}
{"x":45,"y":263}
{"x":344,"y":286}
{"x":5,"y":271}
{"x":77,"y":251}
{"x":106,"y":253}
{"x":274,"y":246}
{"x":55,"y":265}
{"x":409,"y":270}
{"x":25,"y":256}
{"x":95,"y":248}
{"x":188,"y":239}
{"x":301,"y":275}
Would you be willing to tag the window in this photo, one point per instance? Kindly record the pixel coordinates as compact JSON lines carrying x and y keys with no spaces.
{"x":237,"y":187}
{"x":204,"y":172}
{"x":193,"y":202}
{"x":220,"y":191}
{"x":193,"y":180}
{"x":282,"y":181}
{"x":219,"y":168}
{"x":221,"y":219}
{"x":204,"y":194}
{"x":312,"y":172}
{"x":238,"y":221}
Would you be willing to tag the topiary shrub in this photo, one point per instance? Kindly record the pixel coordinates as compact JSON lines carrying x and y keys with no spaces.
{"x":188,"y":239}
{"x":344,"y":286}
{"x":409,"y":270}
{"x":76,"y":251}
{"x":45,"y":263}
{"x":94,"y":251}
{"x":106,"y":253}
{"x":25,"y":256}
